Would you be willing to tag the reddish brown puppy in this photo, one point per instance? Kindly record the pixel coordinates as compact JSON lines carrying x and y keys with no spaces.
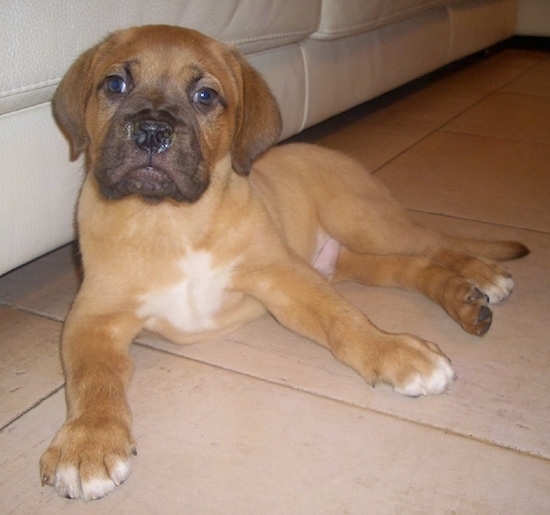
{"x":190,"y":224}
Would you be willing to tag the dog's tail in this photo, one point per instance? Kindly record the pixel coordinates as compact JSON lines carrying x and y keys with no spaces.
{"x":496,"y":250}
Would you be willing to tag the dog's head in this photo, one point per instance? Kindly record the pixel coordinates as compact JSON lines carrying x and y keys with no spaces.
{"x":156,"y":108}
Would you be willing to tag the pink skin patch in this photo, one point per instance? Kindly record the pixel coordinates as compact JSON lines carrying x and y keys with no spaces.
{"x":326,"y":256}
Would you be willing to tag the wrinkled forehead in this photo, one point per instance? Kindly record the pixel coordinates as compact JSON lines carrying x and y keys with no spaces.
{"x":169,"y":54}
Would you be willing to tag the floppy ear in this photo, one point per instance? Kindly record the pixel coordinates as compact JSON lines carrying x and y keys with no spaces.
{"x":258,"y":118}
{"x":69,"y":101}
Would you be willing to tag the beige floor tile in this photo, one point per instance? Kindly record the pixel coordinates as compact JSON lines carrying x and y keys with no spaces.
{"x":216,"y":442}
{"x":507,"y":115}
{"x":373,"y":144}
{"x":535,"y":81}
{"x":427,"y":108}
{"x":494,"y":72}
{"x":474,"y":177}
{"x":30,"y":369}
{"x":45,"y":286}
{"x":429,"y":104}
{"x":521,"y":57}
{"x":501,"y":392}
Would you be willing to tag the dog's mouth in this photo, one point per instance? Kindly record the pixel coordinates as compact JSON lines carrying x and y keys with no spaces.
{"x":152,"y":161}
{"x":151,"y":183}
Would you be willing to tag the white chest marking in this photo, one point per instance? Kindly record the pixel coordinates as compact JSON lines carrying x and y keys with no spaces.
{"x":190,"y":305}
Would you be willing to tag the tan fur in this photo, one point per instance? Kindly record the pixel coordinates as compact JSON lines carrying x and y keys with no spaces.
{"x":239,"y":211}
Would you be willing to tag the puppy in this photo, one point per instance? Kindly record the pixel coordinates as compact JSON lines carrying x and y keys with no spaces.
{"x":192,"y":223}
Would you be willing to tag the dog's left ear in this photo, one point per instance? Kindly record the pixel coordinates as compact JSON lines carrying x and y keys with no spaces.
{"x":258,"y":118}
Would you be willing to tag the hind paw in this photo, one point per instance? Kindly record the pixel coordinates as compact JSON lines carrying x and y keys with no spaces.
{"x":468,"y":306}
{"x":498,"y":289}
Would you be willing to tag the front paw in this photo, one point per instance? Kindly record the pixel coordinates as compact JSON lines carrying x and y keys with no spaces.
{"x":414,"y":367}
{"x":88,"y":458}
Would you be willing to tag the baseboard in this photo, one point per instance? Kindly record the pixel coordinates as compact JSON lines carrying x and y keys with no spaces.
{"x":529,"y":43}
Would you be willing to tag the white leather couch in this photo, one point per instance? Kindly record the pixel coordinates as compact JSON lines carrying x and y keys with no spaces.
{"x":320,"y":57}
{"x":534,"y":18}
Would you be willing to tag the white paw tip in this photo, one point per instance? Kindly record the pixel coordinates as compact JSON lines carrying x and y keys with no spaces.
{"x":500,"y":290}
{"x":437,"y":382}
{"x":121,"y":471}
{"x":97,"y":487}
{"x":69,"y":484}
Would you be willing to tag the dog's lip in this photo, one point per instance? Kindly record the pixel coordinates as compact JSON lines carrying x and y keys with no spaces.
{"x":146,"y":173}
{"x":148,"y":179}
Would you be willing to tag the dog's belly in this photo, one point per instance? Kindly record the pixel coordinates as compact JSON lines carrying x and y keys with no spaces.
{"x":191,"y":304}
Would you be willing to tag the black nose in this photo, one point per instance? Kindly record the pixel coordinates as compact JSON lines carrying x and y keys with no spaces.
{"x":153,"y":136}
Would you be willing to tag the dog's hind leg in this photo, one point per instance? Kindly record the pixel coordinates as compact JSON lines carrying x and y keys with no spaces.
{"x":382,"y":246}
{"x":461,"y":284}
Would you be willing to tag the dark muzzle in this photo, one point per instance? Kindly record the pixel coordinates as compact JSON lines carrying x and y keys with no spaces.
{"x":152,"y":136}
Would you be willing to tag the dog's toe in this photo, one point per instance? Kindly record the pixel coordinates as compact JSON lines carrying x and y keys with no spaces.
{"x":436,"y":382}
{"x":484,"y":319}
{"x":98,"y":487}
{"x":414,"y":367}
{"x":499,"y":289}
{"x":70,"y":484}
{"x":87,"y":461}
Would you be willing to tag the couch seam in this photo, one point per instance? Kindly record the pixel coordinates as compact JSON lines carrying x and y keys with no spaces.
{"x":29,"y":87}
{"x":451,"y":33}
{"x":306,"y":87}
{"x":278,"y":35}
{"x":401,"y":16}
{"x":24,"y":109}
{"x":52,"y":82}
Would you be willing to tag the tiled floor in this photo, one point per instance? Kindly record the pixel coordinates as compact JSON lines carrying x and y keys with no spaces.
{"x":263,"y":421}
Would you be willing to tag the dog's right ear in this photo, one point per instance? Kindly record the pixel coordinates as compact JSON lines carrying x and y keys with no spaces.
{"x":258,"y":116}
{"x":70,"y":99}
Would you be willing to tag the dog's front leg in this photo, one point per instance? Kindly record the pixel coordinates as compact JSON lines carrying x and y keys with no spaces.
{"x":91,"y":453}
{"x":303,"y":301}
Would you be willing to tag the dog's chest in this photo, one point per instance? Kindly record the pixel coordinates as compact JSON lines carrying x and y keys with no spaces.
{"x":190,"y":304}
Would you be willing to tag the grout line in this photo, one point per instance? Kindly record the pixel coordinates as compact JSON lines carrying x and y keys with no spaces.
{"x":344,"y":402}
{"x":31,"y":311}
{"x":493,"y":136}
{"x":473,"y":220}
{"x":31,"y":407}
{"x":304,"y":391}
{"x":452,"y":118}
{"x":430,"y":132}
